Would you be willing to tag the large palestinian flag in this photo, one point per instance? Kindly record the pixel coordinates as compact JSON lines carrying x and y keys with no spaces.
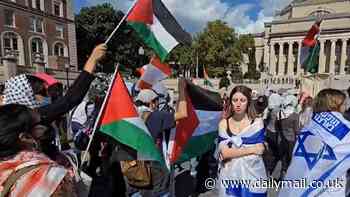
{"x":153,"y":72}
{"x":196,"y":134}
{"x":157,"y":27}
{"x":310,"y":49}
{"x":121,"y":121}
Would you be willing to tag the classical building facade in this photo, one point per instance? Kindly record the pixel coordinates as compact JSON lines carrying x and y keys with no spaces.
{"x":278,"y":47}
{"x":38,"y":31}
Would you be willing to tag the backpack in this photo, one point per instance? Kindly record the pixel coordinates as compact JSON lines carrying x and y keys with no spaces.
{"x":137,"y":173}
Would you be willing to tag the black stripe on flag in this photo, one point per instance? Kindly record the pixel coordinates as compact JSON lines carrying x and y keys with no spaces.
{"x":203,"y":99}
{"x":170,"y":24}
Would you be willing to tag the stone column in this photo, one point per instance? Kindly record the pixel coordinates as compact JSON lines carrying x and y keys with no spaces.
{"x":332,"y":60}
{"x":322,"y":60}
{"x":290,"y":69}
{"x":272,"y":66}
{"x":280,"y":59}
{"x":343,"y":56}
{"x":266,"y":53}
{"x":10,"y":66}
{"x":298,"y":58}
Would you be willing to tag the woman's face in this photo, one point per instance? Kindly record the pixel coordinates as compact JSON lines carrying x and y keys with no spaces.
{"x":239,"y":103}
{"x":343,"y":107}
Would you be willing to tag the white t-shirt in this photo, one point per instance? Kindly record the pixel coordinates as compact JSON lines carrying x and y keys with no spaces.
{"x":80,"y":115}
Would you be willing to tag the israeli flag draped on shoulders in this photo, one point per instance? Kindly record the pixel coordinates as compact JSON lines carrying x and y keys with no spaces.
{"x":245,"y":168}
{"x":321,"y":157}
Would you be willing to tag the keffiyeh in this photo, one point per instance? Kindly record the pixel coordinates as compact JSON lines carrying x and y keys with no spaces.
{"x":18,"y":91}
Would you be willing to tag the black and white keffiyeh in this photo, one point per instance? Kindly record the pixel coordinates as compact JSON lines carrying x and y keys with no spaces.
{"x":18,"y":91}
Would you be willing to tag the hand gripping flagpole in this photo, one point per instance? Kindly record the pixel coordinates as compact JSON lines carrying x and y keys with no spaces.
{"x":110,"y":85}
{"x":120,"y":23}
{"x":100,"y":113}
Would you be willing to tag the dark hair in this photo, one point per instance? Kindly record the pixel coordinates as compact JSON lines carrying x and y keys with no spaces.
{"x":2,"y":88}
{"x":328,"y":100}
{"x":260,"y":104}
{"x":55,"y":91}
{"x":37,"y":85}
{"x":247,"y":92}
{"x":14,"y":119}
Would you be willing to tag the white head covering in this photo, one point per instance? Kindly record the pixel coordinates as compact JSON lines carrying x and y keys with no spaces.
{"x":289,"y":104}
{"x":18,"y":91}
{"x":146,"y":96}
{"x":275,"y":101}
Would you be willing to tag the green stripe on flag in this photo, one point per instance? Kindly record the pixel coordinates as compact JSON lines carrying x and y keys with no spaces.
{"x":148,"y":37}
{"x":198,"y":145}
{"x":312,"y":60}
{"x":131,"y":135}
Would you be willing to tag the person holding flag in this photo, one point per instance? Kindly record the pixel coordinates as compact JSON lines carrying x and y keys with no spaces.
{"x":159,"y":123}
{"x":241,"y":138}
{"x":321,"y":154}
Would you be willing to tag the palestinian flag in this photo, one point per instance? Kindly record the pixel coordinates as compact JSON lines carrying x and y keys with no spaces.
{"x":310,"y":50}
{"x":154,"y":72}
{"x":141,"y":70}
{"x":121,"y":121}
{"x":206,"y":78}
{"x":196,"y":134}
{"x":157,"y":27}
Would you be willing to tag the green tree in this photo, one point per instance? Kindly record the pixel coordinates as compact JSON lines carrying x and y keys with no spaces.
{"x":94,"y":25}
{"x":217,"y":46}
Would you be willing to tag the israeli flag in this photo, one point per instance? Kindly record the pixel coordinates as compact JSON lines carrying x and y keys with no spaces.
{"x":321,"y":158}
{"x":241,"y":176}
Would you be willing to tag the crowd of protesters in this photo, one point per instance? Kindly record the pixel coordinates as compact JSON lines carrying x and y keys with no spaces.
{"x":44,"y":133}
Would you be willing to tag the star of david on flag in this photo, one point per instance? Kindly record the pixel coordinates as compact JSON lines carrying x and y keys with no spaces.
{"x":311,"y":158}
{"x":321,"y":155}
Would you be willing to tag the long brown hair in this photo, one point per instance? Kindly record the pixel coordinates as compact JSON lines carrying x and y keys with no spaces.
{"x":247,"y":92}
{"x":329,"y":100}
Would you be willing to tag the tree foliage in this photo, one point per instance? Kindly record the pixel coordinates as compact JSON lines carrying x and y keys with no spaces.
{"x":217,"y":45}
{"x":94,"y":25}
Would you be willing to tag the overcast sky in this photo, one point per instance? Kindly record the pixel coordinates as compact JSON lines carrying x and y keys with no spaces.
{"x":246,"y":16}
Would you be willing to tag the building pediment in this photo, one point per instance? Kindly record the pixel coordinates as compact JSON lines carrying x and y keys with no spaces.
{"x":313,"y":2}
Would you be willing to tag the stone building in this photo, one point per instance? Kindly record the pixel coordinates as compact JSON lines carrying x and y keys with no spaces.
{"x":38,"y":34}
{"x":278,"y":47}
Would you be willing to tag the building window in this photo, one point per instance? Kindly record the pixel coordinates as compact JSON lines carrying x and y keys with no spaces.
{"x":37,"y":46}
{"x":10,"y":40}
{"x":36,"y":24}
{"x":58,"y":8}
{"x":38,"y":4}
{"x":59,"y":49}
{"x":59,"y":31}
{"x":9,"y":18}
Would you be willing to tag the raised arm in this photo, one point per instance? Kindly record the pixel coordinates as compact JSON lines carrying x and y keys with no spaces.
{"x":181,"y":111}
{"x":77,"y":91}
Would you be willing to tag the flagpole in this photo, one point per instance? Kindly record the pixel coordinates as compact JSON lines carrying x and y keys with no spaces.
{"x":100,"y":113}
{"x":120,"y":22}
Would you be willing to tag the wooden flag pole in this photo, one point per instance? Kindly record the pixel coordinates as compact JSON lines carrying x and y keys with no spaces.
{"x":120,"y":23}
{"x":100,"y":113}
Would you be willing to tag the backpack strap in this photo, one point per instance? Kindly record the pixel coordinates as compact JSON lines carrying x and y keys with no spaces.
{"x":11,"y":180}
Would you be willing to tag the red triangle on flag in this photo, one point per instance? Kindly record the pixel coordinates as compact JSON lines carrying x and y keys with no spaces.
{"x":184,"y":131}
{"x":119,"y":104}
{"x":142,"y":12}
{"x":309,"y":39}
